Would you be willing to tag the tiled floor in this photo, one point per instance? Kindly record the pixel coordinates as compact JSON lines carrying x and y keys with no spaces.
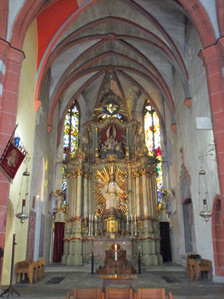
{"x":171,"y":277}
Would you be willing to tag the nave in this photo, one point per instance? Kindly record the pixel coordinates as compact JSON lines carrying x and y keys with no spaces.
{"x":60,"y":279}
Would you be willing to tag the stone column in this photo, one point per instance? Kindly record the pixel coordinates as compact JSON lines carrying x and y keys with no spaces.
{"x":133,"y":193}
{"x":145,"y":195}
{"x":90,"y":193}
{"x":212,"y":59}
{"x":79,"y":194}
{"x":96,"y":148}
{"x":149,"y":191}
{"x":130,"y":189}
{"x":137,"y":195}
{"x":75,"y":245}
{"x":71,"y":195}
{"x":148,"y":244}
{"x":214,"y":62}
{"x":85,"y":215}
{"x":10,"y":66}
{"x":85,"y":197}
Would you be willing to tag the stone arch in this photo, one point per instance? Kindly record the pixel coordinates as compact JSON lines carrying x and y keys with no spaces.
{"x":3,"y":19}
{"x":218,"y":235}
{"x":194,"y":9}
{"x":220,"y":15}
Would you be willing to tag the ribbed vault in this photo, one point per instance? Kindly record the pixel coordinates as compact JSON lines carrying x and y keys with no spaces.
{"x":136,"y":44}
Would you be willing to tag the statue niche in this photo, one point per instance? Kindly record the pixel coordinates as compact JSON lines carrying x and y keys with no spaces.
{"x":112,"y":142}
{"x":112,"y":199}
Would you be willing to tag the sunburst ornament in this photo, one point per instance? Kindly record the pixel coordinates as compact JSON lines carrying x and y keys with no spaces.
{"x":120,"y":178}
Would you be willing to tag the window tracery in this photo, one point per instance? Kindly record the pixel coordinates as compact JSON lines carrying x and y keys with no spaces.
{"x":71,"y":132}
{"x":152,"y":138}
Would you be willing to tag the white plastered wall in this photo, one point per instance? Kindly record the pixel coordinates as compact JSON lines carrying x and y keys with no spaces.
{"x":26,"y":124}
{"x":195,"y":143}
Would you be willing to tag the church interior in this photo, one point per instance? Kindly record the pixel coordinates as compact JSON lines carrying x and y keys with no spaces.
{"x":112,"y":129}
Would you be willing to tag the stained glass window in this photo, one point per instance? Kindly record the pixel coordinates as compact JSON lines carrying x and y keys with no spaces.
{"x":71,"y":131}
{"x":152,"y":138}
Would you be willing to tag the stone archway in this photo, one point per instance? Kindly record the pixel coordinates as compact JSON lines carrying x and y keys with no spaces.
{"x":218,"y":235}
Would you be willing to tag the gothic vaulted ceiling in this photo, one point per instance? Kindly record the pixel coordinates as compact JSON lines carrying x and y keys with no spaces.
{"x":131,"y":47}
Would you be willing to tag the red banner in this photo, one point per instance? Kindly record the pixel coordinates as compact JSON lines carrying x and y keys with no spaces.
{"x":11,"y":161}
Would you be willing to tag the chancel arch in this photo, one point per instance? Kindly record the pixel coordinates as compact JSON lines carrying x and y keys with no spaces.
{"x":111,"y":58}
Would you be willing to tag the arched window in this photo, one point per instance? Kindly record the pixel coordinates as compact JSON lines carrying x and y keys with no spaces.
{"x":71,"y":132}
{"x":152,"y":138}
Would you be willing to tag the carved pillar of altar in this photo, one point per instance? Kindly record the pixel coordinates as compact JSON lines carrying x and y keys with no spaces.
{"x":133,"y":194}
{"x":145,"y":195}
{"x":90,"y":193}
{"x":129,"y":189}
{"x":85,"y":197}
{"x":75,"y":257}
{"x":66,"y":243}
{"x":87,"y":245}
{"x":137,"y":195}
{"x":73,"y":198}
{"x":149,"y":191}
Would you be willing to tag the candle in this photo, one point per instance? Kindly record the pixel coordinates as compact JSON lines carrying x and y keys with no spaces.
{"x":115,"y":256}
{"x":115,"y":246}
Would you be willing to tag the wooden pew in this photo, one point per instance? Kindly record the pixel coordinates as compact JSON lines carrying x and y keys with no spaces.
{"x":23,"y":268}
{"x":151,"y":294}
{"x":118,"y":293}
{"x":202,"y":267}
{"x":42,"y":267}
{"x":84,"y":294}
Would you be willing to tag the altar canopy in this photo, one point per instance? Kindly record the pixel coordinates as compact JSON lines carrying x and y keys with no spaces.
{"x":111,"y":189}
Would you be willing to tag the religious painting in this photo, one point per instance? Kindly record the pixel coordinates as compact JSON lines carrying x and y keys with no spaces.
{"x":11,"y":161}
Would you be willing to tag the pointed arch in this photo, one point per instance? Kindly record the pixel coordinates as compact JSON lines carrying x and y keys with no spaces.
{"x":218,"y":235}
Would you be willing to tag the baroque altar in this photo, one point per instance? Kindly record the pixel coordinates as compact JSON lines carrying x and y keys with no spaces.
{"x":111,"y":194}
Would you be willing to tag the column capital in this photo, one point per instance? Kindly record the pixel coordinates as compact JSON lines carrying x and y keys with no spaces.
{"x":143,"y":171}
{"x":79,"y":172}
{"x":10,"y":53}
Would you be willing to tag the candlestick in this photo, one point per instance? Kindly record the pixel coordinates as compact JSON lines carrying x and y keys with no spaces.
{"x":115,"y":247}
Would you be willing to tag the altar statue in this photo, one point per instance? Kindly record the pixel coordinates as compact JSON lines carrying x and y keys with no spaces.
{"x":110,"y":192}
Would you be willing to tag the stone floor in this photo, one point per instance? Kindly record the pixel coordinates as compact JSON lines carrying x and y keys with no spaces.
{"x":59,"y":280}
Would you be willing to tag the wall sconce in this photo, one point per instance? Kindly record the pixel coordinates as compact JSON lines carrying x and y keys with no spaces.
{"x":205,"y":213}
{"x":24,"y":215}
